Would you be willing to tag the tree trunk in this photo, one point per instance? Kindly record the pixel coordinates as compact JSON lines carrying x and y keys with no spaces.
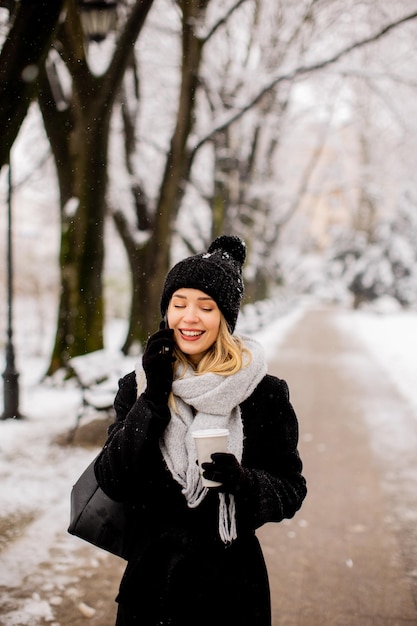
{"x":81,"y":313}
{"x":154,"y":257}
{"x":23,"y":53}
{"x":136,"y":256}
{"x":78,"y":130}
{"x":79,"y":138}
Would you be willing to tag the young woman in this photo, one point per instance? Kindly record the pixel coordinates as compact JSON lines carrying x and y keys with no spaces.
{"x":194,"y":559}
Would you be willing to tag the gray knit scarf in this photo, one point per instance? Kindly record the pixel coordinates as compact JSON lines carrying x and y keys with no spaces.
{"x":215,"y":400}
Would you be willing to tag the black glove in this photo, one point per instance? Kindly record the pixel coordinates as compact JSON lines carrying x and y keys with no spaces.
{"x":226,"y":469}
{"x":157,"y":363}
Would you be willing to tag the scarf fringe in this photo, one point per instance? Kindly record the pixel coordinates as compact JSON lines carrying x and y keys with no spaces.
{"x":227,"y":518}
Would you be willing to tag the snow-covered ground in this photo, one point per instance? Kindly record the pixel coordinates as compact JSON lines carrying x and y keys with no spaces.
{"x":392,"y":339}
{"x":36,"y":475}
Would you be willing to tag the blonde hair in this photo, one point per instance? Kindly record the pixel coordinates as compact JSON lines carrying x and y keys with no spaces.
{"x":226,"y":356}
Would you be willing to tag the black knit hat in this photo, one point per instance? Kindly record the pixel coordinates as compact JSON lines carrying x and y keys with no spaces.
{"x":217,"y":272}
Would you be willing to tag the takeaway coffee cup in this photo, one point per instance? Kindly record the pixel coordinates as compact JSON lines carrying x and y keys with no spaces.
{"x":208,"y":441}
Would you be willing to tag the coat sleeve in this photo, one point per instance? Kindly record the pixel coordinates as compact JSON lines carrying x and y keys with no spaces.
{"x":123,"y":462}
{"x":276,"y":487}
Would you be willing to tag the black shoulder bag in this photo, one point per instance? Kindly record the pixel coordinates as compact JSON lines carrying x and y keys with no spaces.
{"x":95,"y":517}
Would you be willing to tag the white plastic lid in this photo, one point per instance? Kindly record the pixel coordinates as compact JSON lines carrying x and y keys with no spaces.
{"x":210,"y":432}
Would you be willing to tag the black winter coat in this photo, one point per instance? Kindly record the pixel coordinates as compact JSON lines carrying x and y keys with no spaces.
{"x":179,"y":572}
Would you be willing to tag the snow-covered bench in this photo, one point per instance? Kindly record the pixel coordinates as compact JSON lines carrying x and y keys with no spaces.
{"x":97,"y":374}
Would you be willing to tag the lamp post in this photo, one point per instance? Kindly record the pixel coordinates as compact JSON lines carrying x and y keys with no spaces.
{"x":10,"y":374}
{"x":98,"y":18}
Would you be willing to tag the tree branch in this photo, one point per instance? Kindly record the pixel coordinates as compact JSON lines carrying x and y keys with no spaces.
{"x":222,"y":20}
{"x":125,"y":44}
{"x":24,"y":51}
{"x":290,"y":76}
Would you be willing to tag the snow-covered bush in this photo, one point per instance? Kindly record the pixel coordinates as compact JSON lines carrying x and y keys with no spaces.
{"x":384,"y":264}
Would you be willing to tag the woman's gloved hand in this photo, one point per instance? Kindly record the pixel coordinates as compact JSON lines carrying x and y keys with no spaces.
{"x":225,"y":469}
{"x":157,"y":361}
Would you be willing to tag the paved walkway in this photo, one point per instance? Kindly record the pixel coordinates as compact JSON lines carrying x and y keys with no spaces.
{"x":348,"y":558}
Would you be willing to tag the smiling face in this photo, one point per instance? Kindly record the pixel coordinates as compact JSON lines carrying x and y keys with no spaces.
{"x":195,"y":319}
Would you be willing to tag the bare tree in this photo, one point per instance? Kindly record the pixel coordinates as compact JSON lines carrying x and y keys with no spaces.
{"x":77,"y":122}
{"x":247,"y":119}
{"x":226,"y":125}
{"x":238,"y":129}
{"x":149,"y":262}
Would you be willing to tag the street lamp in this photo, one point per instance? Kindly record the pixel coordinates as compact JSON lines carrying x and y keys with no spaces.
{"x":98,"y":18}
{"x":10,"y":375}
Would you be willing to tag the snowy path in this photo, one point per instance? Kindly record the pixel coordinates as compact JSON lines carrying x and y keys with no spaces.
{"x":349,"y":557}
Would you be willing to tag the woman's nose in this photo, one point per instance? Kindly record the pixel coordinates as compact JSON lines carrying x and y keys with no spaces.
{"x":190,"y":315}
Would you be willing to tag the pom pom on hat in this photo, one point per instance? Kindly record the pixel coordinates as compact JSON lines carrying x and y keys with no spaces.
{"x":233,"y":245}
{"x":217,"y":272}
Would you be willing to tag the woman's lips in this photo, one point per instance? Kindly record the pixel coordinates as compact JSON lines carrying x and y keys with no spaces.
{"x":191,"y":335}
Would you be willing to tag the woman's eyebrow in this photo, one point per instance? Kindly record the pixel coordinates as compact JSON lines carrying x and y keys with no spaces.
{"x":177,"y":295}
